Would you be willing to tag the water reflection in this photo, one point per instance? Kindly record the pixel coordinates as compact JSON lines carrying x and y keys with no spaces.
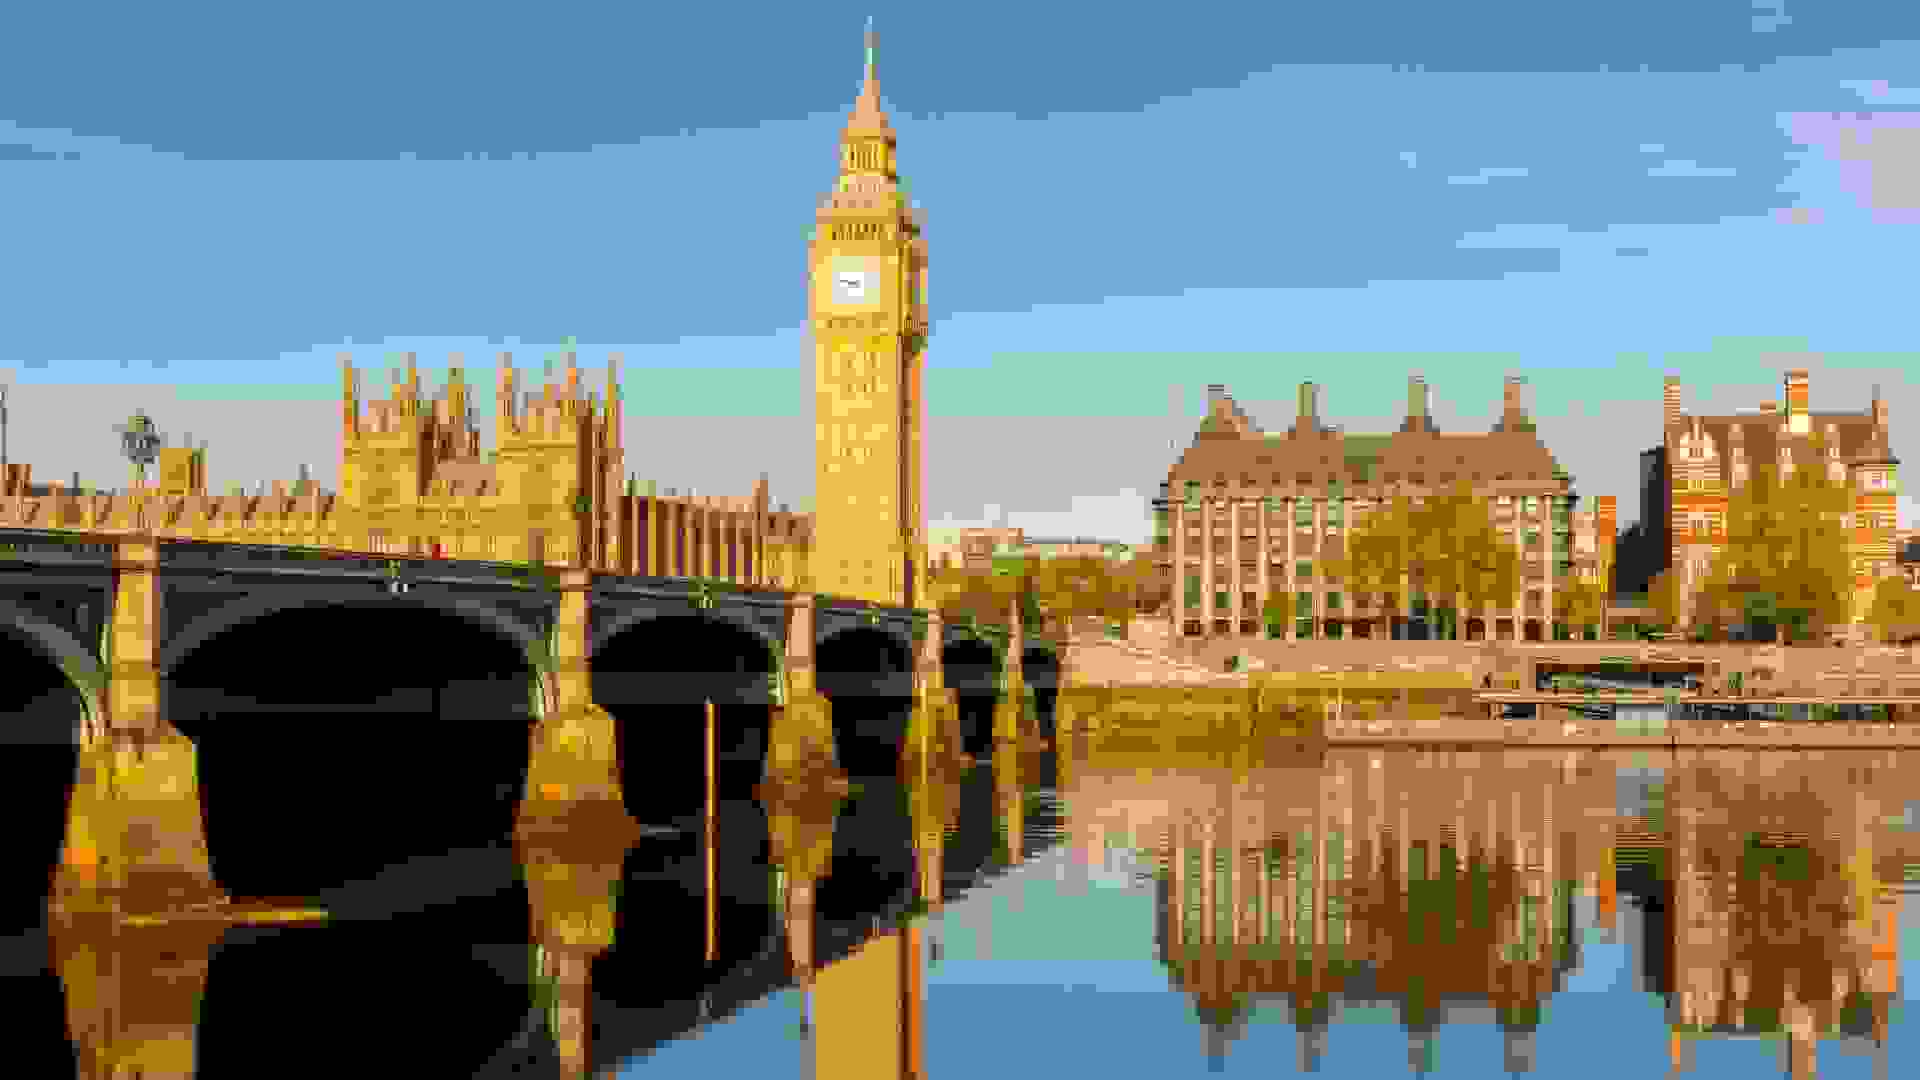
{"x":1442,"y":883}
{"x":1329,"y":888}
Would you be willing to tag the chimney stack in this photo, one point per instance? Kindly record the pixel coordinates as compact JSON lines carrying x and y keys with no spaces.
{"x":1309,"y":419}
{"x":1670,"y":401}
{"x":1512,"y":411}
{"x":1418,"y":416}
{"x":1798,"y":420}
{"x":1879,"y":412}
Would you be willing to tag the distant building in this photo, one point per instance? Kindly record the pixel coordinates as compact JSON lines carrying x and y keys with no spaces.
{"x":975,"y":549}
{"x":1909,"y":557}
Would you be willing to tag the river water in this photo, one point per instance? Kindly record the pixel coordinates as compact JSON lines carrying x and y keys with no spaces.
{"x":1357,"y":912}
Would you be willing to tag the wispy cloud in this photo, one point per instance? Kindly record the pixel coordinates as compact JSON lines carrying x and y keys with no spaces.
{"x":1685,"y":167}
{"x":1881,"y":92}
{"x":1487,"y":175}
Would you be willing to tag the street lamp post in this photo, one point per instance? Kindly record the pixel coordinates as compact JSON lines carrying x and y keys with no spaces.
{"x":140,"y":445}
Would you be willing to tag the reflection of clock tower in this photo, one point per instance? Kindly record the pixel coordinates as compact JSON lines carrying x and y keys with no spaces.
{"x":867,"y":304}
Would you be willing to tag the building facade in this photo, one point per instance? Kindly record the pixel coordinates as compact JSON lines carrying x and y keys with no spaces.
{"x":867,"y":302}
{"x":1702,"y":459}
{"x":1245,"y":513}
{"x":414,"y":482}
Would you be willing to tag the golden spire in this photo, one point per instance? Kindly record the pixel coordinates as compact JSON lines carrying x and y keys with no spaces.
{"x":868,"y":116}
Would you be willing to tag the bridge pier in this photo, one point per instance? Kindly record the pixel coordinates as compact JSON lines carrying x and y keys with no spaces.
{"x":135,"y":838}
{"x":801,"y":741}
{"x":800,"y":824}
{"x":1013,"y":715}
{"x":571,"y":897}
{"x":934,"y":731}
{"x":573,"y":758}
{"x":134,"y":992}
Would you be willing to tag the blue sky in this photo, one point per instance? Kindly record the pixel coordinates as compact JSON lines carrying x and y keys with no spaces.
{"x":203,"y":209}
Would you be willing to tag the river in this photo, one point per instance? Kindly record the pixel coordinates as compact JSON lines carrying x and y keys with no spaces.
{"x":1355,"y":912}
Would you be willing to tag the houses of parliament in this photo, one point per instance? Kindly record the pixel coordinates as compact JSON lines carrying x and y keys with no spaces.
{"x":555,"y":490}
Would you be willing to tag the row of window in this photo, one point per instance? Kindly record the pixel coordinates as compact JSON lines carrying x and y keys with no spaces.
{"x":1302,"y":601}
{"x":1303,"y":507}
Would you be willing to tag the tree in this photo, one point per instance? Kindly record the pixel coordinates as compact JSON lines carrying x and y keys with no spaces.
{"x":1895,"y":614}
{"x":1663,"y":596}
{"x":1074,"y":587}
{"x":1786,"y":550}
{"x":1580,"y":604}
{"x":980,"y":595}
{"x":1151,"y":589}
{"x":1446,"y":548}
{"x":1276,"y":610}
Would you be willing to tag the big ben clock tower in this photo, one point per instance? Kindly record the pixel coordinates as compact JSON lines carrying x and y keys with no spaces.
{"x":867,"y":305}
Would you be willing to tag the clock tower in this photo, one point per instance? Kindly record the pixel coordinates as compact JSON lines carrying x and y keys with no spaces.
{"x":867,"y":306}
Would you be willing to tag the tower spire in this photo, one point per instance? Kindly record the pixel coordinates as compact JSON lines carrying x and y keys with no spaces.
{"x":868,"y":116}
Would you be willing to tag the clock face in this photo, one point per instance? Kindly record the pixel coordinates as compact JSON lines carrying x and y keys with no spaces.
{"x":855,"y":286}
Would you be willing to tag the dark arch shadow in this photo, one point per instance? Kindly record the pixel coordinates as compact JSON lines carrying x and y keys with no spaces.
{"x":40,"y":717}
{"x":972,"y":671}
{"x":265,"y":990}
{"x":1041,"y":668}
{"x":655,"y":677}
{"x":868,"y":676}
{"x":339,"y":744}
{"x":253,"y":608}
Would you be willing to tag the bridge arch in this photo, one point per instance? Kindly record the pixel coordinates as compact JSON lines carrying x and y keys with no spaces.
{"x":627,"y":620}
{"x":971,"y":667}
{"x":43,"y":722}
{"x":654,"y":671}
{"x":866,"y":671}
{"x":1040,"y":668}
{"x":337,"y":738}
{"x":82,"y":668}
{"x":247,"y":609}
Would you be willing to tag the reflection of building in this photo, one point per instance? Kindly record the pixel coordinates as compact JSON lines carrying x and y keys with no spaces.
{"x":1287,"y":894}
{"x":1740,"y":893}
{"x":1245,"y":515}
{"x":1686,"y":479}
{"x":1283,"y":893}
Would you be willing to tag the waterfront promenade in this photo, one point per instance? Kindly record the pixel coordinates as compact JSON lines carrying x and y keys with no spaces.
{"x":1476,"y":693}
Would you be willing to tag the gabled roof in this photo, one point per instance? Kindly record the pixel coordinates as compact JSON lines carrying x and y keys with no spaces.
{"x":1762,"y":435}
{"x":1230,"y":455}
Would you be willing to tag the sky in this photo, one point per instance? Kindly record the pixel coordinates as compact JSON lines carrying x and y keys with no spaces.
{"x":205,"y":206}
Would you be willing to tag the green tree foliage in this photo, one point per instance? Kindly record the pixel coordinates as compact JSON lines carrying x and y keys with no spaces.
{"x":1446,"y":548}
{"x":1895,"y":614}
{"x":1786,"y":552}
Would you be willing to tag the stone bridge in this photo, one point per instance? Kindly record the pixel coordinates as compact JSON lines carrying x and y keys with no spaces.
{"x":123,"y":612}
